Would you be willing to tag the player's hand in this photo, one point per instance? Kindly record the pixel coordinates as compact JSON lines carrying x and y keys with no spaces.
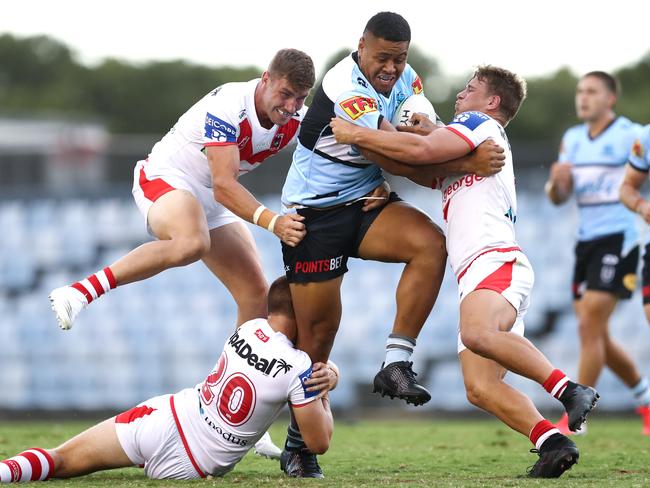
{"x":323,"y":378}
{"x":643,"y":209}
{"x":290,"y":229}
{"x":419,"y":124}
{"x":486,"y":160}
{"x":560,"y":182}
{"x":377,"y":197}
{"x":344,"y":131}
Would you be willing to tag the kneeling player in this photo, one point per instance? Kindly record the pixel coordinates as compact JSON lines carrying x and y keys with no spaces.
{"x":207,"y":429}
{"x":494,"y":276}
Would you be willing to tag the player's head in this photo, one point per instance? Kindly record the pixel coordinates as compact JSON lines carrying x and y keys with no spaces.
{"x":493,"y":91}
{"x":281,"y":315}
{"x":383,"y":50}
{"x":596,"y":96}
{"x":285,"y":85}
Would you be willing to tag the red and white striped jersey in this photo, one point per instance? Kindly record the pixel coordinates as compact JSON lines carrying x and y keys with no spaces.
{"x":224,"y":116}
{"x":258,"y":372}
{"x":479,"y":212}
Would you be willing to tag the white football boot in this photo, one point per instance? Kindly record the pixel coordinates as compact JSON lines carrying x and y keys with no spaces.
{"x":265,"y":447}
{"x":67,"y":302}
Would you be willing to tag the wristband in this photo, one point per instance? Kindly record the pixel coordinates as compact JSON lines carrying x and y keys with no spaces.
{"x":258,"y":212}
{"x":271,"y":225}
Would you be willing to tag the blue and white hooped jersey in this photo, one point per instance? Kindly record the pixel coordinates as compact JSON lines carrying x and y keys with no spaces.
{"x":598,"y":169}
{"x":323,"y":172}
{"x":639,"y":157}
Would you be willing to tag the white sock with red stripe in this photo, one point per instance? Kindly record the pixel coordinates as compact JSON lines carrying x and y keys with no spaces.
{"x":96,"y":284}
{"x":556,"y":383}
{"x":542,"y":431}
{"x":32,"y":465}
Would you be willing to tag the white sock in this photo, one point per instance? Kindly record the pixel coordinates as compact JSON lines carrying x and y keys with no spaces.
{"x":398,"y":348}
{"x":31,"y":465}
{"x":642,"y":392}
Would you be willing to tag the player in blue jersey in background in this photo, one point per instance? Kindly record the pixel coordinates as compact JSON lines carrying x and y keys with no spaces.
{"x":636,"y":174}
{"x":591,"y":165}
{"x":328,"y":184}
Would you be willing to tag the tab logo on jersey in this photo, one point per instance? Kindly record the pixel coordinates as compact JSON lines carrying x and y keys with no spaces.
{"x":245,"y":351}
{"x":471,"y":120}
{"x":261,"y":335}
{"x":355,"y":107}
{"x":417,"y":86}
{"x":219,"y":130}
{"x":304,"y":377}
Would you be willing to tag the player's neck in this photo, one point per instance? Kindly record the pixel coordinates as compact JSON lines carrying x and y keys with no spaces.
{"x":263,"y":119}
{"x":597,"y":126}
{"x":283,"y":324}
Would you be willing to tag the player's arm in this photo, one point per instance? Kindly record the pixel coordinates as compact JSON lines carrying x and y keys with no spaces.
{"x":316,"y":424}
{"x":559,"y":186}
{"x":630,"y":192}
{"x":224,"y":164}
{"x":486,"y":160}
{"x":437,"y":147}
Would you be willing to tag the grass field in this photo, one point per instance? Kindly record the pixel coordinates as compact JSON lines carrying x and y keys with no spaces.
{"x":436,"y":453}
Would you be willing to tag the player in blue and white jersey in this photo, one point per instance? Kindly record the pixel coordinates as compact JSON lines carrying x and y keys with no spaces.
{"x":591,"y":165}
{"x":636,"y":174}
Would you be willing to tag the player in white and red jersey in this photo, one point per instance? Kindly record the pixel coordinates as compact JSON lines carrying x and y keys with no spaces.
{"x":207,"y":429}
{"x":189,"y":195}
{"x":494,"y":276}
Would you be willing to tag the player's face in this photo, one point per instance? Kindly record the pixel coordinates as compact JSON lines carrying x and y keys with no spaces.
{"x":474,"y":97}
{"x":382,"y":62}
{"x":280,"y":99}
{"x":593,"y":99}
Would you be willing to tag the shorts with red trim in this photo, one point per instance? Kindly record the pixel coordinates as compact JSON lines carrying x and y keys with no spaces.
{"x":149,"y":437}
{"x":152,"y":180}
{"x":508,"y":273}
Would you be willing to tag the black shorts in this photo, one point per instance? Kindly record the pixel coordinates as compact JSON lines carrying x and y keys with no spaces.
{"x":333,"y":235}
{"x":601,"y":266}
{"x":646,"y":275}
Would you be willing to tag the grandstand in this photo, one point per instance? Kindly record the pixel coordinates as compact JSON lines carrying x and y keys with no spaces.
{"x":172,"y":325}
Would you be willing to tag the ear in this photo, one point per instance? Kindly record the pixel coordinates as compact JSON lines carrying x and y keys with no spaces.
{"x":494,"y":102}
{"x":362,"y":43}
{"x":265,"y":77}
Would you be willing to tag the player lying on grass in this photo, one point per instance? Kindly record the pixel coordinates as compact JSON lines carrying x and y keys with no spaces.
{"x":207,"y":429}
{"x":494,"y":276}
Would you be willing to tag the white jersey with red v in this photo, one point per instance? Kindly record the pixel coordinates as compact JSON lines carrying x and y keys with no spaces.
{"x":225,"y":116}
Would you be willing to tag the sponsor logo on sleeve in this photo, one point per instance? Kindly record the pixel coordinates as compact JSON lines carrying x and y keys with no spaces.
{"x":218,"y":130}
{"x":471,"y":120}
{"x":355,"y":107}
{"x":637,"y":149}
{"x":304,"y":377}
{"x":417,"y":86}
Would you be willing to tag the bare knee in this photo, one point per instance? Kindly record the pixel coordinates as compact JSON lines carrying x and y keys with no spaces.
{"x":319,"y":446}
{"x":475,"y":340}
{"x":189,"y":249}
{"x":477,"y":393}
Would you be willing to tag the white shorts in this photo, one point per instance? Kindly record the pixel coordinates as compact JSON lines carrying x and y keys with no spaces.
{"x":151,"y":181}
{"x":508,"y":273}
{"x":150,"y":437}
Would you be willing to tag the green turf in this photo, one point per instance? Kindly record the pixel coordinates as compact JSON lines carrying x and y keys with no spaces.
{"x":437,"y":453}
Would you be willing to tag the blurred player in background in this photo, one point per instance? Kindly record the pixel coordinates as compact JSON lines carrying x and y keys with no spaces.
{"x":205,"y":430}
{"x":189,"y":194}
{"x":494,"y":276}
{"x":591,"y":164}
{"x":327,"y":186}
{"x":636,"y":174}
